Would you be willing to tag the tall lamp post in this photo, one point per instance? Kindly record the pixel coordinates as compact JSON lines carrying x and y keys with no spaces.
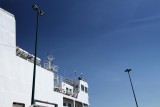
{"x":38,"y":13}
{"x":128,"y":71}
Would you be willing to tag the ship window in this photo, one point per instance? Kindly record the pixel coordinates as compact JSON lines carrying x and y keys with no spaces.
{"x":82,"y":87}
{"x":64,"y":104}
{"x":85,"y":105}
{"x":16,"y":104}
{"x":77,"y":105}
{"x":86,"y":89}
{"x":69,"y":105}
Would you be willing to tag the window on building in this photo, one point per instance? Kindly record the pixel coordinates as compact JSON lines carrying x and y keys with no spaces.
{"x":76,"y":105}
{"x":82,"y":87}
{"x":16,"y":104}
{"x":69,"y":105}
{"x":64,"y":104}
{"x":86,"y":89}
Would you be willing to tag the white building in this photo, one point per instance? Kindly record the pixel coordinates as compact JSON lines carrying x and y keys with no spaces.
{"x":16,"y":73}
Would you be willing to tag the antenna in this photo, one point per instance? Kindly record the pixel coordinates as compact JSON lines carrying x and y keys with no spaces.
{"x":81,"y":75}
{"x":48,"y":64}
{"x":75,"y":74}
{"x":49,"y":60}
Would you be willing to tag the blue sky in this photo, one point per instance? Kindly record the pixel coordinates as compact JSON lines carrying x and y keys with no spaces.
{"x":100,"y":38}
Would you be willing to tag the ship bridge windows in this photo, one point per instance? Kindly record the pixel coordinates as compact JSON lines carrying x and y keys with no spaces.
{"x":78,"y":104}
{"x":64,"y":104}
{"x":69,"y":91}
{"x":85,"y":105}
{"x":68,"y":102}
{"x":86,"y":89}
{"x":69,"y":105}
{"x":83,"y":88}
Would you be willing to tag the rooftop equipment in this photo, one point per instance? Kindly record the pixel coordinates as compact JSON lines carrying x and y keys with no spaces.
{"x":48,"y":64}
{"x":25,"y":55}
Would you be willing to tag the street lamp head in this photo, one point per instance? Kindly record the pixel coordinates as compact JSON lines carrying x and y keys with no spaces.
{"x":35,"y":7}
{"x":128,"y":70}
{"x":40,"y":12}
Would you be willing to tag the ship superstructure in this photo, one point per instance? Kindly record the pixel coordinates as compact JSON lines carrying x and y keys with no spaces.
{"x":16,"y":64}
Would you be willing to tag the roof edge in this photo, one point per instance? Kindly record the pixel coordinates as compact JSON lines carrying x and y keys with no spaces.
{"x":7,"y":12}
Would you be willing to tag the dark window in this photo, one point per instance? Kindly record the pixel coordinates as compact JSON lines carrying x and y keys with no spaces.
{"x":82,"y":87}
{"x":64,"y":104}
{"x":16,"y":104}
{"x":69,"y":105}
{"x":86,"y":89}
{"x":70,"y":90}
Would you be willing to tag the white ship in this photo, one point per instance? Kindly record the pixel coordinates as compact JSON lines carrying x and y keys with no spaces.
{"x":16,"y":73}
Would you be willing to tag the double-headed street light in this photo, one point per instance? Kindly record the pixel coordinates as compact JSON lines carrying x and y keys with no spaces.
{"x":128,"y":70}
{"x":38,"y":13}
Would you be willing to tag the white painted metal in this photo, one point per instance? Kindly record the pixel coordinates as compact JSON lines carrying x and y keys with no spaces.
{"x":16,"y":73}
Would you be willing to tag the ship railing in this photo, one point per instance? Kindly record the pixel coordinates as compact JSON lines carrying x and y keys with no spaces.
{"x":58,"y":86}
{"x":59,"y":79}
{"x":65,"y":92}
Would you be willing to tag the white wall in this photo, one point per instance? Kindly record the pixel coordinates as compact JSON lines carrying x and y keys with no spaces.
{"x":82,"y":95}
{"x":16,"y":73}
{"x":7,"y":42}
{"x":64,"y":86}
{"x":7,"y":27}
